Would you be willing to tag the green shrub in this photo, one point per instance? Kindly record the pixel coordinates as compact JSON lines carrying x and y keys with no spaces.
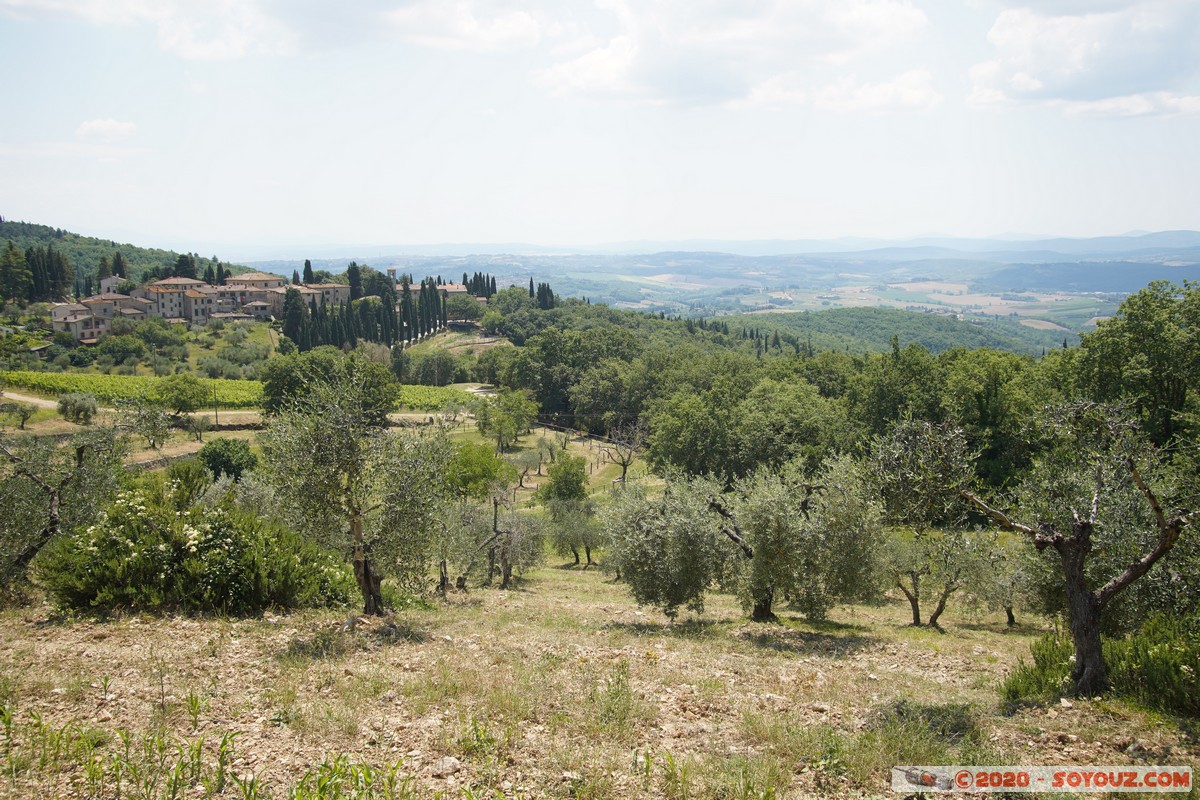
{"x":1047,"y":678}
{"x":230,"y":457}
{"x":78,"y":407}
{"x":145,"y":556}
{"x":1157,"y":667}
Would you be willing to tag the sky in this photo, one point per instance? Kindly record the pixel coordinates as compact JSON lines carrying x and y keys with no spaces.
{"x":251,"y":124}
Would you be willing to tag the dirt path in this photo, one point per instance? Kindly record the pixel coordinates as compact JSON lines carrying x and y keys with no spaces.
{"x":40,"y":402}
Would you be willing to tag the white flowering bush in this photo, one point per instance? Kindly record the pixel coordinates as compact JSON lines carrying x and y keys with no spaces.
{"x":142,"y":555}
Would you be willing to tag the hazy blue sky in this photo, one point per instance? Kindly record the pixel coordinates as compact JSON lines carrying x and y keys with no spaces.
{"x":216,"y":123}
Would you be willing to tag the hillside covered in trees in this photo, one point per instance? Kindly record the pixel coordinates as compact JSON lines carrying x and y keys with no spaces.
{"x":816,"y":482}
{"x":88,"y":257}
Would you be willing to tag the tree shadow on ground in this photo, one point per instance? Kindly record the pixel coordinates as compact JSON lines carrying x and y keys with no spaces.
{"x":691,"y":629}
{"x":786,"y":639}
{"x":1020,"y":629}
{"x":337,"y":641}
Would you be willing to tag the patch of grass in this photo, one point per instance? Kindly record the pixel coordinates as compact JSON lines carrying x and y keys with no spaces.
{"x":445,"y":681}
{"x":614,"y":708}
{"x":327,"y":643}
{"x":952,"y":722}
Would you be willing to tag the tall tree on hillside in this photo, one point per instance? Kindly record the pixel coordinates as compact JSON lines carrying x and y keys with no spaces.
{"x":118,"y":265}
{"x":220,"y":274}
{"x":354,"y":278}
{"x":103,"y":269}
{"x":407,"y":319}
{"x":185,"y":266}
{"x":308,"y":272}
{"x":1148,"y":352}
{"x":295,"y":317}
{"x":16,"y":280}
{"x":62,"y":274}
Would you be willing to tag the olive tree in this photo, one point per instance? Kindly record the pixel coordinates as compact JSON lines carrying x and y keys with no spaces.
{"x":667,"y":549}
{"x":919,"y":468}
{"x":47,"y":488}
{"x":1091,"y":498}
{"x":625,"y":443}
{"x":333,"y":462}
{"x":145,"y":417}
{"x":78,"y":407}
{"x":22,"y":412}
{"x":775,"y":536}
{"x":182,"y":393}
{"x":809,"y":542}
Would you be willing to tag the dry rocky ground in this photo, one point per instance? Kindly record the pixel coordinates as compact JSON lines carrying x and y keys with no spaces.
{"x":561,"y":688}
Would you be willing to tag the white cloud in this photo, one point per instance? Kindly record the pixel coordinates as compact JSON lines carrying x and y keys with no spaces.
{"x":1134,"y":105}
{"x":912,"y":91}
{"x":1118,"y":57}
{"x":192,"y":29}
{"x":104,"y":130}
{"x":604,"y":70}
{"x":724,"y":51}
{"x":464,"y":26}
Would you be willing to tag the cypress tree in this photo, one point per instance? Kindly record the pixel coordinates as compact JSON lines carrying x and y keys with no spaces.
{"x":308,"y":272}
{"x":295,"y":315}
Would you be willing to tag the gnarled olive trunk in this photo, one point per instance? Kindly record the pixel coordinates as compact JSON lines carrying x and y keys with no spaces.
{"x":369,"y":581}
{"x":941,"y":606}
{"x":914,"y":597}
{"x":1012,"y":620}
{"x":1083,"y":609}
{"x":761,"y":612}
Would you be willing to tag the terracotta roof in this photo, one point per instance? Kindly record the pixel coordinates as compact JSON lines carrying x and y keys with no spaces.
{"x":176,"y":282}
{"x":104,"y":298}
{"x":194,"y":293}
{"x":257,"y":276}
{"x":258,"y":303}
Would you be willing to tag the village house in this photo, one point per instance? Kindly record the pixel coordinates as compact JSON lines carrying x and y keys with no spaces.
{"x":77,"y":320}
{"x":256,"y":295}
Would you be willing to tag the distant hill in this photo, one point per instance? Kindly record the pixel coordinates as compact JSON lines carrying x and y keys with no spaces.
{"x":863,"y":330}
{"x":1108,"y":276}
{"x":84,"y":252}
